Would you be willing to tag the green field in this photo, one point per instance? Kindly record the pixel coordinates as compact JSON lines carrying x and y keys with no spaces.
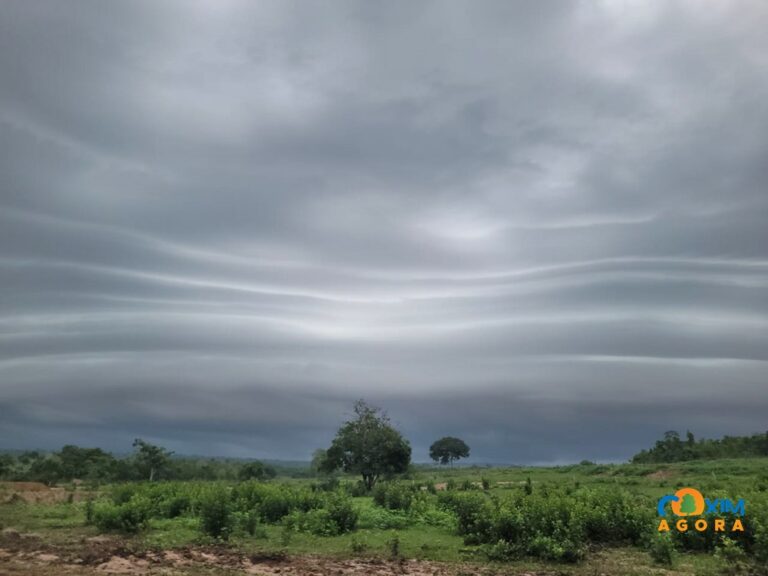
{"x":580,"y":519}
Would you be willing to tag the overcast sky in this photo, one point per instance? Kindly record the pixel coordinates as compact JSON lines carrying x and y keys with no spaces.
{"x":539,"y":226}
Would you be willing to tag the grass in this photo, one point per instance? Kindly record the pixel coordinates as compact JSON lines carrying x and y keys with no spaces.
{"x":64,"y":524}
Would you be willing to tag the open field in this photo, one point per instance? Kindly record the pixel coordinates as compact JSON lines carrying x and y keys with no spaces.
{"x":434,"y":521}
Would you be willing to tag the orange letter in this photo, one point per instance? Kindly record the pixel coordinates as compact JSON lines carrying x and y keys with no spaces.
{"x":700,"y":525}
{"x":681,"y":525}
{"x":719,"y":525}
{"x":663,"y":526}
{"x":737,"y":526}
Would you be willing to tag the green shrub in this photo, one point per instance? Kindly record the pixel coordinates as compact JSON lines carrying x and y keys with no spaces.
{"x":249,"y":523}
{"x":330,"y":484}
{"x":394,"y":546}
{"x":393,"y":495}
{"x":383,"y":519}
{"x":662,"y":549}
{"x":130,"y":517}
{"x":122,"y":493}
{"x":356,"y":489}
{"x":760,"y":545}
{"x":338,"y":516}
{"x":216,"y":518}
{"x":502,"y":551}
{"x":435,"y":517}
{"x":358,"y":546}
{"x":275,"y":502}
{"x":274,"y":507}
{"x":317,"y":522}
{"x":175,"y":506}
{"x":474,"y":514}
{"x":89,"y":511}
{"x":342,"y":512}
{"x":730,"y":552}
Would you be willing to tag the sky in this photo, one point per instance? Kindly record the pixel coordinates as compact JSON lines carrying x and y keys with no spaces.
{"x":538,"y":226}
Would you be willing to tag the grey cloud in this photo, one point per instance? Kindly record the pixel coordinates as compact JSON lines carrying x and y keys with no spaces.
{"x":541,"y":227}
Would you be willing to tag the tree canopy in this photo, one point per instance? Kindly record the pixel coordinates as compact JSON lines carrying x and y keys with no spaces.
{"x":672,"y":448}
{"x":368,"y":445}
{"x":151,"y":459}
{"x":448,"y":450}
{"x":256,"y":470}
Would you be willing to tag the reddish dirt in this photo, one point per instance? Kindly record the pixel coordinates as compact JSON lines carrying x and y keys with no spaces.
{"x":26,"y":486}
{"x":37,"y":493}
{"x":26,"y":555}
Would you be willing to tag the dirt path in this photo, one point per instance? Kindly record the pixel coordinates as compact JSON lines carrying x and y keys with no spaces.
{"x":27,"y":555}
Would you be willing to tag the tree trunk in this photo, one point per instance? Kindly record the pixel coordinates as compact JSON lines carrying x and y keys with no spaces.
{"x":369,"y":480}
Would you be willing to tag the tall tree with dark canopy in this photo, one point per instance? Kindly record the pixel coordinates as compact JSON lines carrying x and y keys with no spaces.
{"x":151,"y":459}
{"x":368,"y":445}
{"x":448,"y":449}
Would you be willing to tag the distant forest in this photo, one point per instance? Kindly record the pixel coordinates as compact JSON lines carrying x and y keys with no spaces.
{"x":147,"y":462}
{"x":672,"y":448}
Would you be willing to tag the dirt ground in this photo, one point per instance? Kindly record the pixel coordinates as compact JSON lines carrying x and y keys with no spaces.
{"x":38,"y":493}
{"x":27,"y":555}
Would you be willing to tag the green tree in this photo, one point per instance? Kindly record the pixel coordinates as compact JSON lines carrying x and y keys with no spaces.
{"x":6,"y":464}
{"x":46,"y":470}
{"x":318,"y":457}
{"x":81,"y":463}
{"x":150,"y":459}
{"x":368,"y":445}
{"x":448,"y":449}
{"x":256,"y":470}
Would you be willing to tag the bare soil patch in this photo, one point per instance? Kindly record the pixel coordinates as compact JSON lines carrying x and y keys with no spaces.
{"x":25,"y":555}
{"x":660,"y":475}
{"x":38,"y":493}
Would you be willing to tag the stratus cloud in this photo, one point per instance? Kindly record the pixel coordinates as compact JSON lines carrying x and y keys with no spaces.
{"x":221,"y":223}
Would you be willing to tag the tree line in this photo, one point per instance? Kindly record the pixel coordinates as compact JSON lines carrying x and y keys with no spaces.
{"x":147,"y":462}
{"x":673,"y":448}
{"x":367,"y":445}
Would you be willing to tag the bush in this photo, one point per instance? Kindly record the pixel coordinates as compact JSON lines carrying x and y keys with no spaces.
{"x":662,"y":549}
{"x":175,"y":506}
{"x":553,"y":523}
{"x":393,"y":496}
{"x":130,"y":517}
{"x":248,"y":522}
{"x":338,"y":516}
{"x":383,"y":519}
{"x":317,"y":522}
{"x":357,"y":489}
{"x":216,"y":518}
{"x":275,"y":506}
{"x":89,"y":510}
{"x":342,"y":512}
{"x":760,"y":548}
{"x":729,"y":551}
{"x":330,"y":484}
{"x":122,"y":493}
{"x":394,"y":546}
{"x":358,"y":546}
{"x":474,"y":514}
